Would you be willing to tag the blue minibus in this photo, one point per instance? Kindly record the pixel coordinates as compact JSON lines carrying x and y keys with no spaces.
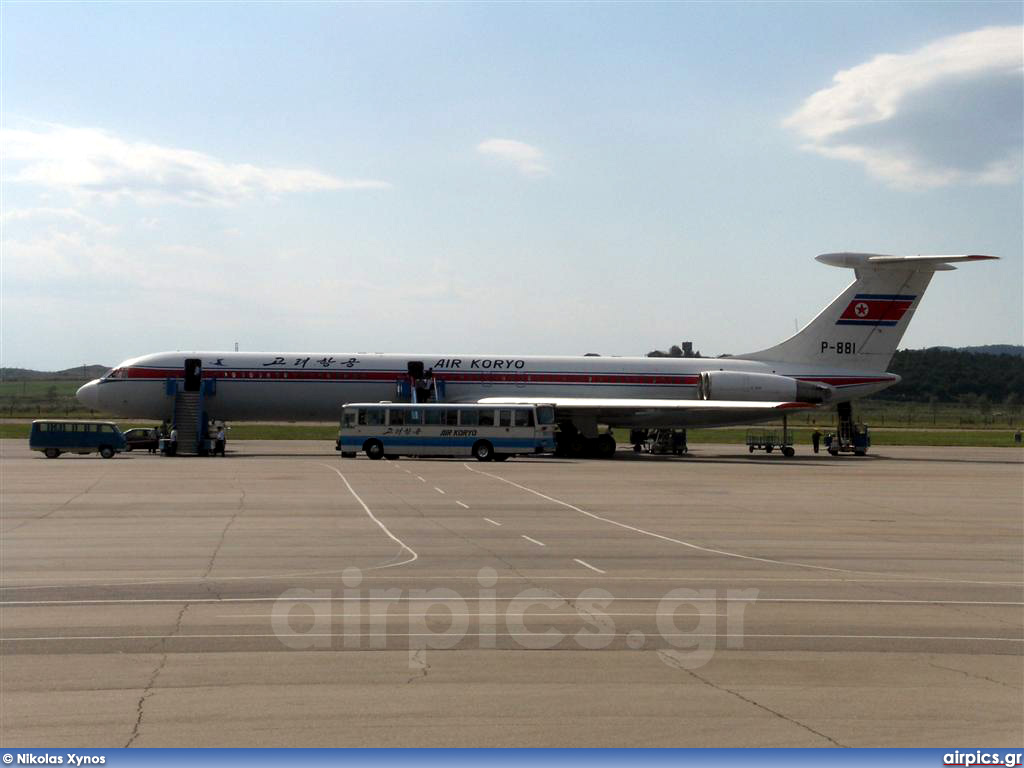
{"x":56,"y":436}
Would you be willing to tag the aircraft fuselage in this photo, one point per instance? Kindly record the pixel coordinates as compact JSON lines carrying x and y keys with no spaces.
{"x":314,"y":386}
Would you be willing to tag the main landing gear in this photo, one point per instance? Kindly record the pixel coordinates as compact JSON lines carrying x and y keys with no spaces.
{"x":570,"y":443}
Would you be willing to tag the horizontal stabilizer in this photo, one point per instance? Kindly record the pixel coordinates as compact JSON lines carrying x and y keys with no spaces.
{"x":882,"y":261}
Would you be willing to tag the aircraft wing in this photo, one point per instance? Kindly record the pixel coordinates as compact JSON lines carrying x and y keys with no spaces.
{"x":611,"y":406}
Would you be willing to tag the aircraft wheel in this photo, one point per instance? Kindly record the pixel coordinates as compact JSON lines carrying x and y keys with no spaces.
{"x":750,"y":448}
{"x":604,"y":446}
{"x":483,"y":451}
{"x":788,"y":451}
{"x":51,"y":453}
{"x":769,"y":449}
{"x":374,"y":450}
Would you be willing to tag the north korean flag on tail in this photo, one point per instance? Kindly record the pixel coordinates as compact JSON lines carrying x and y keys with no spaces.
{"x":875,"y":309}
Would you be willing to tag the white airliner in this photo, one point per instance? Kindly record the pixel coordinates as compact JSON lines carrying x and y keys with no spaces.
{"x":841,"y":355}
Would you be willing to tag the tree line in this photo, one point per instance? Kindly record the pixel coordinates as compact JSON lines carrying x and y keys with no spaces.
{"x":956,"y":376}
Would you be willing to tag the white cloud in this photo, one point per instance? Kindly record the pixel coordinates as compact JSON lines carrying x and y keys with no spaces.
{"x":526,"y":159}
{"x":946,"y":113}
{"x":47,"y":214}
{"x":85,"y":161}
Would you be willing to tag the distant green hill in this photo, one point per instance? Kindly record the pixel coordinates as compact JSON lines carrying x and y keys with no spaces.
{"x":81,"y":373}
{"x":996,"y":349}
{"x":953,"y":375}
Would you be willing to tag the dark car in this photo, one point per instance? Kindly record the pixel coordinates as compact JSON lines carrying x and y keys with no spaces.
{"x":142,"y":438}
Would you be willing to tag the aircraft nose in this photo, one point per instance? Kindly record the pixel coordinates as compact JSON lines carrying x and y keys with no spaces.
{"x":88,"y":395}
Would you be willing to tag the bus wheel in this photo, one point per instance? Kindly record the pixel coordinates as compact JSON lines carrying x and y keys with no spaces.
{"x":51,"y":453}
{"x":107,"y":452}
{"x":374,"y":449}
{"x":482,"y":451}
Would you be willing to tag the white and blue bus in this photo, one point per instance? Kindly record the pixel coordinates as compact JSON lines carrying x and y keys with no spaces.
{"x":486,"y":432}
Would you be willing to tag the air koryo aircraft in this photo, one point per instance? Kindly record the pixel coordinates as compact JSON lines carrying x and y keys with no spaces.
{"x":841,"y":355}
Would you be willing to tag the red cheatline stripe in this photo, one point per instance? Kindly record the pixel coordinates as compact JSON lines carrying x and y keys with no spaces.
{"x":482,"y":376}
{"x":390,"y":376}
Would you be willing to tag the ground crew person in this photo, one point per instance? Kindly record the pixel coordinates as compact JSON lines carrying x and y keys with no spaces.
{"x":218,"y":447}
{"x":815,"y":439}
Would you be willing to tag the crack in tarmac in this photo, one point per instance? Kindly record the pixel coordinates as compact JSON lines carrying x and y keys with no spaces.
{"x":671,"y":660}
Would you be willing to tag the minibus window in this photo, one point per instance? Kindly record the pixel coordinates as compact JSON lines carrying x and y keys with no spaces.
{"x":505,"y":417}
{"x":486,"y":418}
{"x":396,"y":417}
{"x":468,"y":418}
{"x":524,"y":417}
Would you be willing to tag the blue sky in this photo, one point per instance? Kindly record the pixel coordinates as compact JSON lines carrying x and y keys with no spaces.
{"x":547,"y":179}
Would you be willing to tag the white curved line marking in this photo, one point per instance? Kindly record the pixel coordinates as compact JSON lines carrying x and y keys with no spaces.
{"x":698,"y":547}
{"x":383,"y":527}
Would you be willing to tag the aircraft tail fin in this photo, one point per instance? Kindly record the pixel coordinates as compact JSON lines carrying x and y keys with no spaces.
{"x":861,"y":328}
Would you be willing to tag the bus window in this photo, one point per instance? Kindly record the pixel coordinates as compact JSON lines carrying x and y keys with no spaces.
{"x":486,"y":418}
{"x":105,"y":428}
{"x":87,"y":427}
{"x":414,"y":416}
{"x":433,"y":416}
{"x":505,"y":417}
{"x":396,"y":417}
{"x":371,"y":417}
{"x":451,"y":418}
{"x":468,"y":418}
{"x":348,"y":418}
{"x":545,"y":414}
{"x":524,"y":417}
